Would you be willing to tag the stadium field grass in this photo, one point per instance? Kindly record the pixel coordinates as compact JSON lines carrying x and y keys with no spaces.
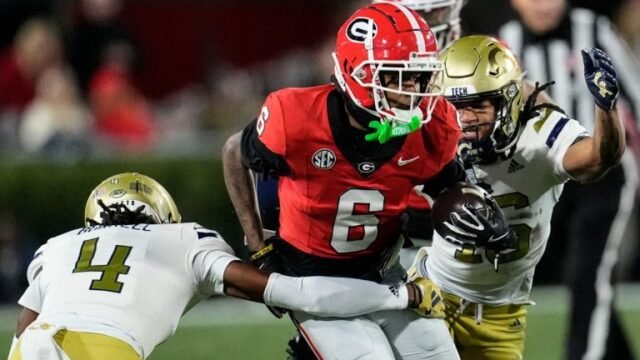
{"x":231,"y":329}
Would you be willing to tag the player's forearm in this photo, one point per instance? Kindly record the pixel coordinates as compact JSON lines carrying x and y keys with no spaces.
{"x":240,"y":187}
{"x":243,"y":281}
{"x":592,"y":158}
{"x":333,"y":296}
{"x":26,"y":317}
{"x":609,"y":136}
{"x":608,"y":145}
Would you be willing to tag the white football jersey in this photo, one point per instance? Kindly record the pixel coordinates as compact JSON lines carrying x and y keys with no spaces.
{"x":527,"y":187}
{"x":132,"y":282}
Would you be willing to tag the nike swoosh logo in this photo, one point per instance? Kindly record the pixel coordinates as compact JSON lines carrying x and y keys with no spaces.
{"x":403,"y":162}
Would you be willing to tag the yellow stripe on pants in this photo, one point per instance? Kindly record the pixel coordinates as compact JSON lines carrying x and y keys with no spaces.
{"x":88,"y":346}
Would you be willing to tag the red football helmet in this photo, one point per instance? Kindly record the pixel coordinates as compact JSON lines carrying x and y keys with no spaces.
{"x":388,"y":41}
{"x":443,"y":16}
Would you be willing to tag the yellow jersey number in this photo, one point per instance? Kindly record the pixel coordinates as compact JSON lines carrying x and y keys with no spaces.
{"x":471,"y":254}
{"x":109,"y":272}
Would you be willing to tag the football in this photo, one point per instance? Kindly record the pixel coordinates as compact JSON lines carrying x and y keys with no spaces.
{"x":453,"y":200}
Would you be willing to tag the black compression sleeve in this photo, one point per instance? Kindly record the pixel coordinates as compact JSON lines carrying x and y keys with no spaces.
{"x":257,"y":157}
{"x":450,"y":174}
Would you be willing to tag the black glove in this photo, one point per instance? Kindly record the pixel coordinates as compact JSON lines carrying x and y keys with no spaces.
{"x":503,"y":245}
{"x":485,"y":227}
{"x":601,"y":78}
{"x":266,"y":259}
{"x":478,"y":226}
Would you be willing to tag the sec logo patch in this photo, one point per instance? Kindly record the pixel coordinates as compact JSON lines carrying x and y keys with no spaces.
{"x":323,"y":159}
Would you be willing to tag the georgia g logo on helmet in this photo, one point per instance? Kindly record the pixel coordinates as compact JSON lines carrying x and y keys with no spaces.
{"x":359,"y":29}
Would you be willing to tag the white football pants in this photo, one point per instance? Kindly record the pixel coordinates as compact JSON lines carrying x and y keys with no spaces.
{"x":392,"y":334}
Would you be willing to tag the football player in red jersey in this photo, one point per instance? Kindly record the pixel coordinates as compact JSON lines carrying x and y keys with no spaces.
{"x":341,"y":195}
{"x":443,"y":17}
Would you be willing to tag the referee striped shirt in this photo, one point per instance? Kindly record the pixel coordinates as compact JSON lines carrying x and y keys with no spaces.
{"x":556,"y":56}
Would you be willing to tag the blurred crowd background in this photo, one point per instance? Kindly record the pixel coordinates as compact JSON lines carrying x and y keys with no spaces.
{"x":82,"y":81}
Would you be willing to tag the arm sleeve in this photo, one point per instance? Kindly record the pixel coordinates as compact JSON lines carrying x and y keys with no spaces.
{"x":333,"y":296}
{"x":257,"y":157}
{"x":212,"y":265}
{"x":210,"y":256}
{"x":34,"y":296}
{"x":450,"y":174}
{"x":264,"y":141}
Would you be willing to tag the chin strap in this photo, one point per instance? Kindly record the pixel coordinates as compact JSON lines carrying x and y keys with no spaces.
{"x":385,"y":130}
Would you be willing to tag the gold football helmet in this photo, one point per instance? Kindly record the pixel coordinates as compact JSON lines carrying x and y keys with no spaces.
{"x":130,"y":198}
{"x":481,"y":68}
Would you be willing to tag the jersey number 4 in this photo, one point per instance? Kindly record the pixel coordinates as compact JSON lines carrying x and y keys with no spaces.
{"x":110,"y":272}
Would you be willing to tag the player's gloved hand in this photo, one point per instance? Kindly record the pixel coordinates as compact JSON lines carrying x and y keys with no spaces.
{"x":489,"y":229}
{"x":502,"y":245}
{"x":427,"y":299}
{"x":601,"y":78}
{"x":266,"y":259}
{"x":478,"y":227}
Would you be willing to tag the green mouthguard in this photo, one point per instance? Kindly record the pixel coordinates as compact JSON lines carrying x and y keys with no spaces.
{"x":384,"y":131}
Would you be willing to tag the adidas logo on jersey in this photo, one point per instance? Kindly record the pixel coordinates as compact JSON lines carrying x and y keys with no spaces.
{"x":514,"y":166}
{"x":515,"y":325}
